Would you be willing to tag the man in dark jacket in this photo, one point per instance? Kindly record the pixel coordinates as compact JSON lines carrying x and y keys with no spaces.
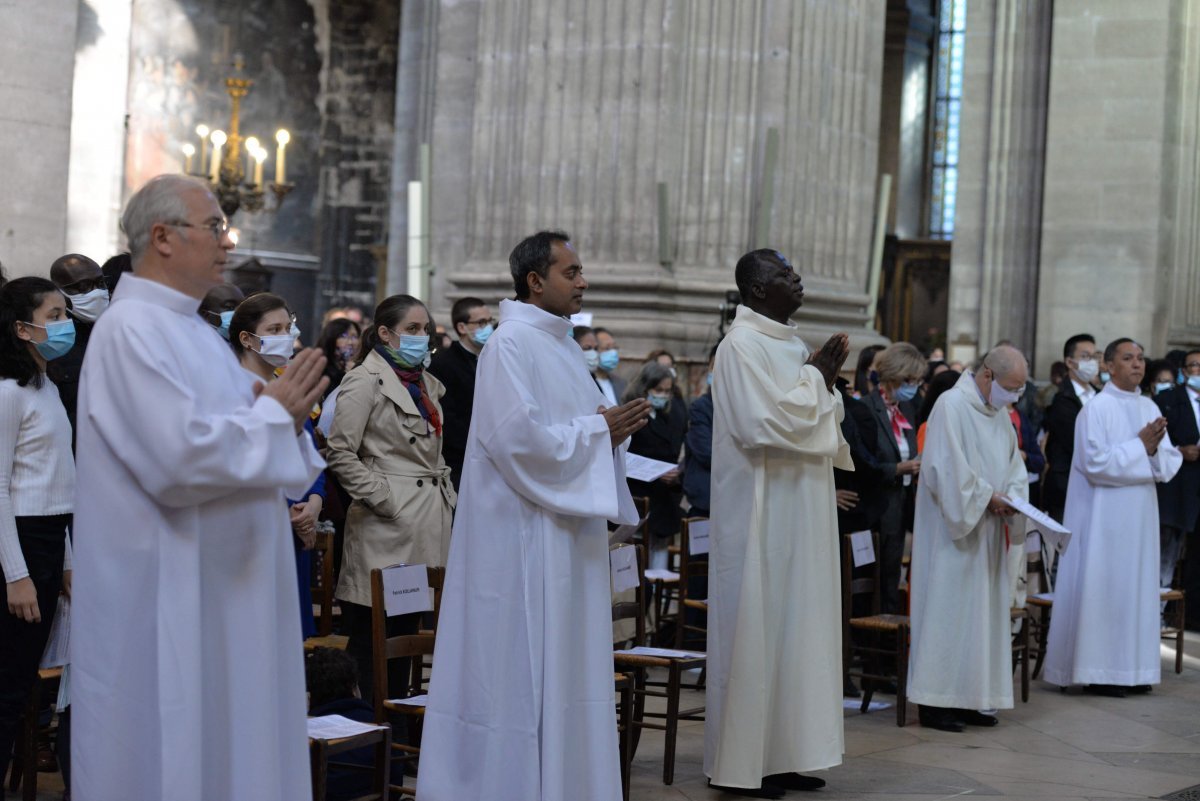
{"x":80,"y":279}
{"x":697,"y":465}
{"x":455,"y":367}
{"x":1179,"y":498}
{"x":1080,"y":386}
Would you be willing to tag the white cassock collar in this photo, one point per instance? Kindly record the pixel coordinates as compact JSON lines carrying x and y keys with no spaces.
{"x":518,"y":311}
{"x":133,"y":288}
{"x":967,"y":386}
{"x":765,"y":325}
{"x":1112,"y":389}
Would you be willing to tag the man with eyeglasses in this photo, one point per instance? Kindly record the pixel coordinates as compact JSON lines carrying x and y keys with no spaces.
{"x":1105,"y":631}
{"x":455,"y":367}
{"x":1179,"y":498}
{"x":186,"y":681}
{"x":1082,"y":384}
{"x":80,"y":279}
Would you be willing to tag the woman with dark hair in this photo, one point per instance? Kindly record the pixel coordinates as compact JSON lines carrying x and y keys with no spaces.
{"x":260,"y":335}
{"x":933,"y":390}
{"x":385,"y":448}
{"x":339,"y":341}
{"x":662,"y":439}
{"x":865,"y":378}
{"x":37,"y":488}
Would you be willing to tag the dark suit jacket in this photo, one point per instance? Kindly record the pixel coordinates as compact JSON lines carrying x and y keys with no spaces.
{"x":884,"y":448}
{"x":1179,"y":498}
{"x":64,"y":371}
{"x":662,"y":439}
{"x":697,"y":467}
{"x":455,"y":367}
{"x":859,"y":429}
{"x":619,"y":385}
{"x":1059,"y":423}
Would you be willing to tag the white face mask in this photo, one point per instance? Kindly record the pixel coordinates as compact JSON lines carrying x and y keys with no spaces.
{"x":1088,"y":369}
{"x":999,"y":397}
{"x":276,"y":350}
{"x":90,"y":305}
{"x":592,"y":357}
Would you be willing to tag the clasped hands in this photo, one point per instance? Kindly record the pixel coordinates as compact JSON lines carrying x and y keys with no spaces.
{"x":1152,"y":434}
{"x":830,"y":358}
{"x":999,"y":507}
{"x":625,"y":419}
{"x":302,"y":384}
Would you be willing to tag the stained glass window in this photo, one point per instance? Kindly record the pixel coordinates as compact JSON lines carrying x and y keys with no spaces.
{"x":947,"y":112}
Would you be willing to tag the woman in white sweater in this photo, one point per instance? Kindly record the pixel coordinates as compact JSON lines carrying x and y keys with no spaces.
{"x":37,"y":487}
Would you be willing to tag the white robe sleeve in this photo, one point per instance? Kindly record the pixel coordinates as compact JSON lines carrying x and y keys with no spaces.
{"x":179,"y":455}
{"x":1105,"y":462}
{"x":1166,"y":461}
{"x":569,"y":468}
{"x":960,"y":493}
{"x":805,"y":418}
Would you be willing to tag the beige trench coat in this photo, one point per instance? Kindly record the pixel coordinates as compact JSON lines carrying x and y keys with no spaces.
{"x":390,"y":462}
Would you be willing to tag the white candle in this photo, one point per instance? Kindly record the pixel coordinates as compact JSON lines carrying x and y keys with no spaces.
{"x":202,"y":132}
{"x":260,"y":156}
{"x":189,"y":150}
{"x":251,"y":149}
{"x":282,"y":137}
{"x":218,"y":141}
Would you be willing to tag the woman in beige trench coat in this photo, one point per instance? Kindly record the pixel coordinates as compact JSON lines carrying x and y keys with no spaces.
{"x":385,"y":448}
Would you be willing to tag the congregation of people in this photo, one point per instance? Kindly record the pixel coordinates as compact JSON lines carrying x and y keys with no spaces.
{"x":180,"y":446}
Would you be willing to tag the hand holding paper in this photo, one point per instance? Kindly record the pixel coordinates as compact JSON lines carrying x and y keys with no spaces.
{"x":1050,"y":529}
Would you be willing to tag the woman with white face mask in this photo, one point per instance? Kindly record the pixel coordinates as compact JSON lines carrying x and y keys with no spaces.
{"x":385,"y":449}
{"x":259,"y":333}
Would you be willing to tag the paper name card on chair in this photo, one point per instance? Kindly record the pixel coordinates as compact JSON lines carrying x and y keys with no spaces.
{"x":1052,"y":532}
{"x":58,"y":643}
{"x":642,"y":469}
{"x":698,"y":537}
{"x":624,"y":569}
{"x":406,"y":590}
{"x":862,"y":548}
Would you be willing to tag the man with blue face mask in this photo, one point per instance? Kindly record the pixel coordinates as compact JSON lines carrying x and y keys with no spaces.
{"x":218,"y":305}
{"x":80,"y":279}
{"x":1082,"y":384}
{"x":455,"y":367}
{"x":1179,"y":498}
{"x":608,"y":356}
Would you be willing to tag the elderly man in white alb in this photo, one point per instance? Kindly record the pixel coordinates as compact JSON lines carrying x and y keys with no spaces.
{"x":1105,"y":629}
{"x":961,"y":657}
{"x":187,"y":672}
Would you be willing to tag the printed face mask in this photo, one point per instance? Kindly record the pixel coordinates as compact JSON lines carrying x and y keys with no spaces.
{"x":276,"y":350}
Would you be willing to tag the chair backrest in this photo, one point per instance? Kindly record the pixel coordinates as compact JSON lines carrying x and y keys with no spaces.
{"x":624,"y":610}
{"x":688,"y":566}
{"x":385,"y":648}
{"x":867,"y":585}
{"x":322,"y":589}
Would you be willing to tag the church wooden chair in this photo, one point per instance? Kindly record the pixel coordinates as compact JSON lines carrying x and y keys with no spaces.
{"x":672,"y":661}
{"x":414,"y":647}
{"x":321,"y":750}
{"x":871,"y":642}
{"x":23,"y":765}
{"x":1039,"y":601}
{"x":1175,"y":602}
{"x":664,"y":588}
{"x":322,"y":581}
{"x":693,"y":571}
{"x":1020,"y":648}
{"x":623,"y":685}
{"x":338,"y":641}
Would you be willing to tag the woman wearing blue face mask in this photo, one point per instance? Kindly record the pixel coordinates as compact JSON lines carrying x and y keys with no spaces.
{"x":36,"y":491}
{"x":894,"y":408}
{"x":385,"y":448}
{"x":662,"y":439}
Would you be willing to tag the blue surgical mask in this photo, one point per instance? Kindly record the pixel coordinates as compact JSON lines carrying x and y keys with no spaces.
{"x":481,"y":335}
{"x":1193,"y":381}
{"x":873,"y":378}
{"x":905,"y":392}
{"x":659,"y":402}
{"x":708,"y":379}
{"x":60,"y":338}
{"x":226,"y":319}
{"x":413,"y":349}
{"x":1179,"y":377}
{"x":1163,"y":386}
{"x":609,"y":359}
{"x":1105,"y":377}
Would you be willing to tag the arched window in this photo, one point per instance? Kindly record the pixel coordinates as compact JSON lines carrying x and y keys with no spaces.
{"x":947,"y":112}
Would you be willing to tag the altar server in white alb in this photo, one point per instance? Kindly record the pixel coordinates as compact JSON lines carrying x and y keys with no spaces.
{"x":961,"y":657}
{"x":774,"y":636}
{"x":187,"y":673}
{"x":521,"y":704}
{"x":1105,"y":628}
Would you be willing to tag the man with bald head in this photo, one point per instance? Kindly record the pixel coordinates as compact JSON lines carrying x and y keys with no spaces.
{"x":186,"y":679}
{"x":1105,"y":629}
{"x":80,"y":279}
{"x":961,"y":658}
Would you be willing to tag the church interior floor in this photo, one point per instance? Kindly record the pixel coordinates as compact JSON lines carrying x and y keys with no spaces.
{"x":1057,"y":747}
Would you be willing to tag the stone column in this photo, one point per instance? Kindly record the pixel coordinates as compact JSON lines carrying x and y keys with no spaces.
{"x":37,"y":66}
{"x":569,"y":114}
{"x":1120,"y":218}
{"x":994,"y":261}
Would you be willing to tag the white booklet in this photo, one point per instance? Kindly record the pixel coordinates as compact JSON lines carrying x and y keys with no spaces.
{"x":1052,"y":532}
{"x":335,"y":727}
{"x":643,"y":469}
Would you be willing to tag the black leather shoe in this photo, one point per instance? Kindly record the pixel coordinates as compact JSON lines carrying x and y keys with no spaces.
{"x":972,"y":717}
{"x":941,"y":718}
{"x":1107,"y":690}
{"x":1140,"y":689}
{"x":795,"y":781}
{"x":765,"y":791}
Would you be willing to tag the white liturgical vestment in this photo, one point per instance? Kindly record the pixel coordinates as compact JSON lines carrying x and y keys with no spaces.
{"x":521,"y":700}
{"x":961,"y":655}
{"x":1106,"y":620}
{"x":187,"y":662}
{"x":774,"y":623}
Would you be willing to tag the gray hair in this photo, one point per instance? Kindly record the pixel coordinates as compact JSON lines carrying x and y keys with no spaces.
{"x":652,"y":373}
{"x":159,"y":200}
{"x":1004,"y":359}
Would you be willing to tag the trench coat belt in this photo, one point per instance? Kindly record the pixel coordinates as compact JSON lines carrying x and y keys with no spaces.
{"x":442,"y":477}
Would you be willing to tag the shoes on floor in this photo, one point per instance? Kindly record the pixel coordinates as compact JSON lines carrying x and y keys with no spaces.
{"x":1107,"y":690}
{"x":1140,"y":689}
{"x":973,"y":717}
{"x":941,"y":718}
{"x":765,"y":791}
{"x":794,"y":781}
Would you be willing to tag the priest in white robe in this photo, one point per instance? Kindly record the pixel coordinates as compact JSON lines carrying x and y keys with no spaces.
{"x":774,"y":703}
{"x":1104,"y":631}
{"x":961,"y":656}
{"x":187,"y":667}
{"x":521,"y":700}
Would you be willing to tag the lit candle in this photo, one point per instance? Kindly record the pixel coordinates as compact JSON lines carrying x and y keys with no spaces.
{"x":189,"y":150}
{"x":282,"y":137}
{"x":251,"y":147}
{"x":260,"y":156}
{"x":218,"y":142}
{"x":202,"y":132}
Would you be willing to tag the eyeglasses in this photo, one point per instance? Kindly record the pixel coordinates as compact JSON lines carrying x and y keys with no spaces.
{"x":218,"y":228}
{"x":479,"y":323}
{"x":1192,"y":366}
{"x":84,"y":286}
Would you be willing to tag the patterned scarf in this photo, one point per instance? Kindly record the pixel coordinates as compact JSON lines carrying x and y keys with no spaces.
{"x":410,"y":377}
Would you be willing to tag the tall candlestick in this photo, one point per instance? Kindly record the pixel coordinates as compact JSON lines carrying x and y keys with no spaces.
{"x":218,"y":141}
{"x":202,"y":132}
{"x":189,"y":150}
{"x":282,"y":137}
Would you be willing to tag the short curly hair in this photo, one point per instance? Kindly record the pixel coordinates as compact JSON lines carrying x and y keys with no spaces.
{"x":329,"y":675}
